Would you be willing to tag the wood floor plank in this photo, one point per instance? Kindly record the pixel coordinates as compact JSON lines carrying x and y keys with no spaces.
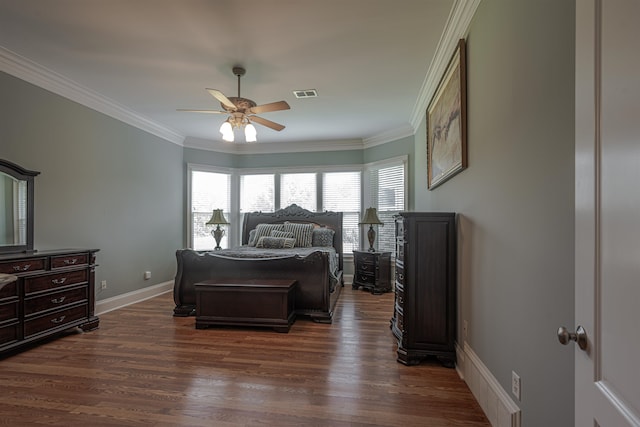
{"x":144,"y":367}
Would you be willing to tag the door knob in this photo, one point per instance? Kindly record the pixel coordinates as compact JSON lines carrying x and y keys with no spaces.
{"x":579,"y":336}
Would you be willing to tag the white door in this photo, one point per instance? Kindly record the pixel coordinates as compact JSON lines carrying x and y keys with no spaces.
{"x":607,"y":249}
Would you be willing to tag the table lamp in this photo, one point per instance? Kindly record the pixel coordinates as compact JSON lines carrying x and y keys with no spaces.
{"x":216,"y":219}
{"x":371,"y":218}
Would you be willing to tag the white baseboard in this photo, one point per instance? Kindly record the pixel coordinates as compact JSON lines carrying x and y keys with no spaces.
{"x":119,"y":301}
{"x":496,"y":403}
{"x":348,"y":279}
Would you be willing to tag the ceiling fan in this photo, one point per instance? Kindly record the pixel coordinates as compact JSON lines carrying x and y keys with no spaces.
{"x":242,"y":112}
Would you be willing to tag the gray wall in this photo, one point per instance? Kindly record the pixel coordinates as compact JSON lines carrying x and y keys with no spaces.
{"x":516,"y":200}
{"x":103,"y":184}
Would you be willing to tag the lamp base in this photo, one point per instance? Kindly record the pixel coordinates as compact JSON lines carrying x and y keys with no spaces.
{"x":371,"y":235}
{"x":217,"y":235}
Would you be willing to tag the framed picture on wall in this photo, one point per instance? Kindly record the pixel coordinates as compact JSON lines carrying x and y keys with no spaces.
{"x":447,"y":122}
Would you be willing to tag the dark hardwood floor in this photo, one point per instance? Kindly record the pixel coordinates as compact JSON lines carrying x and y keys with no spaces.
{"x":144,"y":367}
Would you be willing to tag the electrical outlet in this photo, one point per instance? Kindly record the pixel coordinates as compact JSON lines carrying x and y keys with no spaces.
{"x":465,"y":328}
{"x":515,"y":385}
{"x":147,"y":275}
{"x":103,"y":284}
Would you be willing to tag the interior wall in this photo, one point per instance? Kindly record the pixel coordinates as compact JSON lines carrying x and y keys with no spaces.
{"x":103,"y":184}
{"x":516,"y":201}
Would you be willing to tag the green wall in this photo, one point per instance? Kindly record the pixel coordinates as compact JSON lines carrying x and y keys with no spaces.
{"x":516,"y":200}
{"x":103,"y":184}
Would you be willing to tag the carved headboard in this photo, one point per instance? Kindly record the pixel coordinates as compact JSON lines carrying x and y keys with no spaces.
{"x":295,"y":213}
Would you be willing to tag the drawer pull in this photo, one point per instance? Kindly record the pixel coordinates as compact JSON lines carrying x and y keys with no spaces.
{"x":59,"y":300}
{"x":22,"y":268}
{"x":364,"y":267}
{"x":71,"y":261}
{"x":59,"y":281}
{"x":400,"y":276}
{"x":58,"y":319}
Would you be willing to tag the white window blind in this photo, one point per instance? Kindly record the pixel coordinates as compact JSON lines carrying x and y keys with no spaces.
{"x":387,"y":195}
{"x":299,"y":188}
{"x":209,"y":191}
{"x":341,"y":192}
{"x":257,"y":193}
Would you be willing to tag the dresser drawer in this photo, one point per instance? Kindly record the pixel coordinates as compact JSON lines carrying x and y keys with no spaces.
{"x":9,"y":290}
{"x":9,"y":311}
{"x":69,"y":260}
{"x":23,"y":266}
{"x":55,"y":320}
{"x":55,"y":300}
{"x":52,"y":281}
{"x":400,"y":296}
{"x":9,"y":333}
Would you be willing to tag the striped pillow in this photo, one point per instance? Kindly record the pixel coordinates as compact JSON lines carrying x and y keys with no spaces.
{"x":278,"y":233}
{"x":269,"y":242}
{"x":301,"y":231}
{"x":265,"y":230}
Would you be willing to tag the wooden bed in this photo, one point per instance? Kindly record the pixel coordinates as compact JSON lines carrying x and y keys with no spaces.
{"x":318,"y":287}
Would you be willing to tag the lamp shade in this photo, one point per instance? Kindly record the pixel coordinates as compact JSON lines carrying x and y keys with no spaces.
{"x":217,"y":218}
{"x":371,"y":217}
{"x":250,"y":133}
{"x":227,"y":131}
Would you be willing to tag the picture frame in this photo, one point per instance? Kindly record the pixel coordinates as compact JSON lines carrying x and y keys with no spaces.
{"x":447,"y":122}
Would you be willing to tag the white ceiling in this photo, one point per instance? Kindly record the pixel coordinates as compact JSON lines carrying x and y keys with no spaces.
{"x":368,"y":60}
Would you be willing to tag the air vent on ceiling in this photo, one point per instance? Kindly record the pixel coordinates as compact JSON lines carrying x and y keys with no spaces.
{"x":307,"y":93}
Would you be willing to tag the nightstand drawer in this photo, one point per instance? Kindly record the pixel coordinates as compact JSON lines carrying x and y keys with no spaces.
{"x":365,"y":278}
{"x":52,"y":281}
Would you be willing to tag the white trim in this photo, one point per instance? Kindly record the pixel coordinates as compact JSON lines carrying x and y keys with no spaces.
{"x":273,"y":147}
{"x":34,"y":73}
{"x":457,"y":28}
{"x":120,"y":301}
{"x":389,"y":136}
{"x":496,"y":403}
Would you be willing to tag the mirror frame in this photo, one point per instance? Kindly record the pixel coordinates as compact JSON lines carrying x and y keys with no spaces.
{"x":21,"y":174}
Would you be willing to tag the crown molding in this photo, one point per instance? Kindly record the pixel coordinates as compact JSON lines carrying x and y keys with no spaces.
{"x":389,"y":136}
{"x":29,"y":71}
{"x":457,"y":28}
{"x":272,"y":147}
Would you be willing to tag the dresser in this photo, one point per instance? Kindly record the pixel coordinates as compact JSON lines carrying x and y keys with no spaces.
{"x":424,"y":318}
{"x":372,"y":271}
{"x":53,"y":291}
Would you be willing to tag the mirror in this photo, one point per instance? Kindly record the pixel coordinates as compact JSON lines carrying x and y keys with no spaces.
{"x":16,"y":208}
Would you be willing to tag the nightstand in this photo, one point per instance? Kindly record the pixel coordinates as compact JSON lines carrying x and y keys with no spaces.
{"x":372,"y":271}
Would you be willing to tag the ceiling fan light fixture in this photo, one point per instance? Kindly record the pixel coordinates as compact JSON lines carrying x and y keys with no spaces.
{"x":250,"y":133}
{"x":227,"y":131}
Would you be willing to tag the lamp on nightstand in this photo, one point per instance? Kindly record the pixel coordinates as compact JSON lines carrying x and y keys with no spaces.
{"x":371,"y":218}
{"x":217,"y":219}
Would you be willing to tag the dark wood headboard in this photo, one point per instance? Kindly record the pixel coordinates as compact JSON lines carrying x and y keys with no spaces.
{"x":295,"y":213}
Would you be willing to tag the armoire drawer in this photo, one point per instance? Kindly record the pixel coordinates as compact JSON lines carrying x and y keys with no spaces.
{"x":9,"y":311}
{"x":9,"y":290}
{"x":9,"y":333}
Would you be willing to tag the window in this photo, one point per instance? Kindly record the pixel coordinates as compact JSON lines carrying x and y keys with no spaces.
{"x":386,"y":192}
{"x":209,"y":191}
{"x":341,"y":192}
{"x":257,"y":193}
{"x":299,"y":188}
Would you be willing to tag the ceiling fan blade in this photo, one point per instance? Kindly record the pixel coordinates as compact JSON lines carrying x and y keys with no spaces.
{"x":202,"y":111}
{"x":222,"y":98}
{"x":273,"y":106}
{"x":267,"y":123}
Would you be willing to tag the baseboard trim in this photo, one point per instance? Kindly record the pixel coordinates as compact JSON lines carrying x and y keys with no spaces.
{"x":496,"y":403}
{"x":119,"y":301}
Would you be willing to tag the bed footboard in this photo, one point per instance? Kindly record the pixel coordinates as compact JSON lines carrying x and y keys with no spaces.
{"x":313,"y":295}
